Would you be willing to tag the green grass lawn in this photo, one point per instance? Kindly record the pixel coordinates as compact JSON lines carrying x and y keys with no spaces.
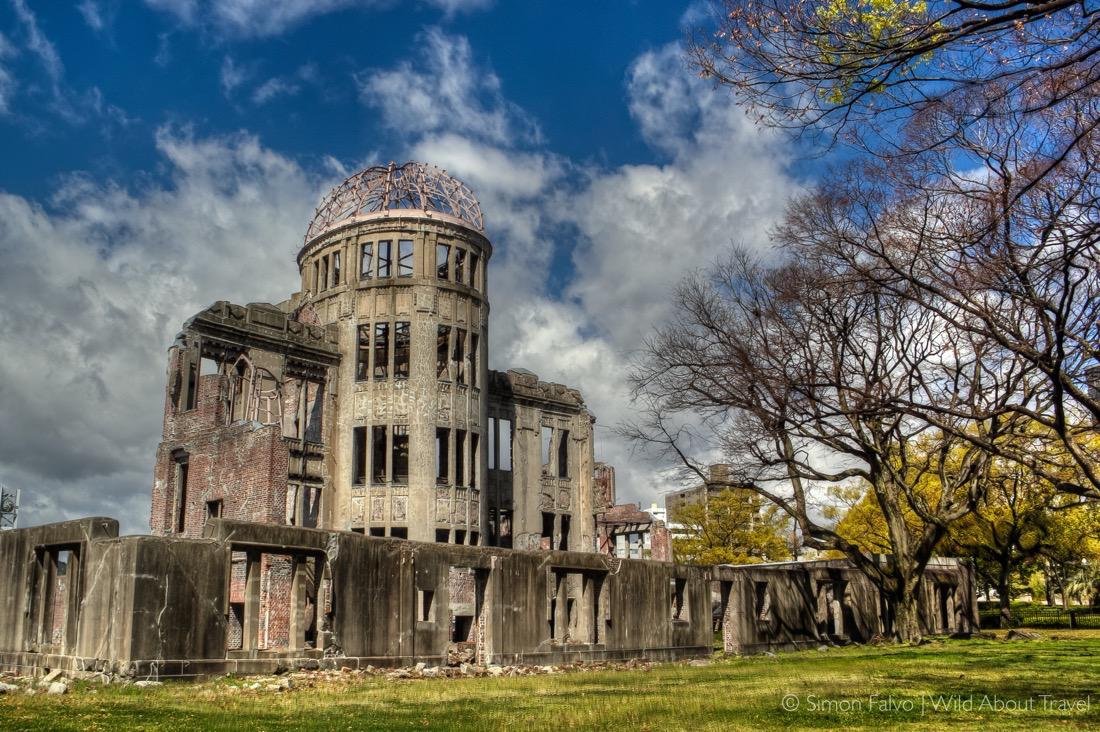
{"x":852,"y":687}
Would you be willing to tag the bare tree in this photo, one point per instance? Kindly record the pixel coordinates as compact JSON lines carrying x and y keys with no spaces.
{"x":804,"y":376}
{"x":1007,"y":252}
{"x":979,"y":199}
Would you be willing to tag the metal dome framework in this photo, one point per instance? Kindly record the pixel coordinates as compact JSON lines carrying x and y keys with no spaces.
{"x":413,"y":186}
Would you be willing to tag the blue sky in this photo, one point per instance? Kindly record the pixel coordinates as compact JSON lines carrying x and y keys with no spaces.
{"x":156,"y":156}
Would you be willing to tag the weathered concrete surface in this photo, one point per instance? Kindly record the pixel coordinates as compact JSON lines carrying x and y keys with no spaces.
{"x":797,"y":604}
{"x":160,"y":606}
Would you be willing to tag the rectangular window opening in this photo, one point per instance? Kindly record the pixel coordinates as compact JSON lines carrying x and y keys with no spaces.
{"x":362,"y":364}
{"x":475,"y":463}
{"x":400,"y":454}
{"x":563,"y":540}
{"x":475,"y":538}
{"x":378,"y":531}
{"x":460,"y":265}
{"x":442,"y":536}
{"x":402,"y":347}
{"x":545,"y":442}
{"x":359,"y":455}
{"x":213,"y":509}
{"x":473,"y":270}
{"x":191,"y":397}
{"x":181,"y":491}
{"x":366,"y":263}
{"x":460,"y":536}
{"x":504,"y":529}
{"x":324,"y":272}
{"x":381,"y":350}
{"x":442,"y":455}
{"x":425,"y":606}
{"x":405,"y":258}
{"x":563,"y":454}
{"x":442,"y":341}
{"x":442,"y":261}
{"x":459,"y":356}
{"x":473,"y":359}
{"x":378,"y":454}
{"x":460,"y":457}
{"x":383,"y":259}
{"x":335,"y":269}
{"x":399,"y":532}
{"x":679,"y":608}
{"x":505,"y":437}
{"x":547,"y":525}
{"x":762,"y":601}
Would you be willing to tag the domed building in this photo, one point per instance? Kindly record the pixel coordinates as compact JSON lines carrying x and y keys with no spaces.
{"x":364,"y":402}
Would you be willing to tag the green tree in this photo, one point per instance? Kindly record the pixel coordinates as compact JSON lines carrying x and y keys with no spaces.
{"x":733,"y":526}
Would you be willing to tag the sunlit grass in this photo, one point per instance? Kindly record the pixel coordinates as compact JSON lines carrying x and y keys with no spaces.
{"x":845,"y":687}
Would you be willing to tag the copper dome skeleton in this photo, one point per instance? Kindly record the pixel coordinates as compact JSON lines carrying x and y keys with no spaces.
{"x":411,"y":186}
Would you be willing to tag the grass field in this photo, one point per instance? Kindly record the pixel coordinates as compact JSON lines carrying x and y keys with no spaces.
{"x":854,"y":687}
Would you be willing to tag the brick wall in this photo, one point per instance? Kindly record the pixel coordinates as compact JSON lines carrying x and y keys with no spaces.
{"x":244,"y":465}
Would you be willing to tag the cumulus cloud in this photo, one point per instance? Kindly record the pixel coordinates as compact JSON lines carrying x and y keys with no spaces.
{"x":265,"y":18}
{"x":93,"y":290}
{"x":446,"y":92}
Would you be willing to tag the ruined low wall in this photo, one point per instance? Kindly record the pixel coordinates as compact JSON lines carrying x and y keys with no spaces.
{"x":253,"y":598}
{"x":798,"y":604}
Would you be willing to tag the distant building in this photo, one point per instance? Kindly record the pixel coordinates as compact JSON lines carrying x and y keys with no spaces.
{"x":624,"y":530}
{"x":677,"y":500}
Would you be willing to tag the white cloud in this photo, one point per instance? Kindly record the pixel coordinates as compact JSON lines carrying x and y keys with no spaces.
{"x":232,"y":75}
{"x":94,"y":289}
{"x":265,"y":18}
{"x":37,"y":43}
{"x":99,"y":16}
{"x":7,"y":81}
{"x":446,"y":92}
{"x":285,"y":86}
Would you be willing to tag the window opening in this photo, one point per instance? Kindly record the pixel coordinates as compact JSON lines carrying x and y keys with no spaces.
{"x":378,"y":454}
{"x":366,"y":263}
{"x":362,"y":364}
{"x":405,"y":258}
{"x":442,"y":261}
{"x":383,"y":259}
{"x":400,"y":454}
{"x":381,"y":350}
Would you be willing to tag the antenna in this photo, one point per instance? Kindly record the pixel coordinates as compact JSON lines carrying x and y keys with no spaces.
{"x":9,"y":508}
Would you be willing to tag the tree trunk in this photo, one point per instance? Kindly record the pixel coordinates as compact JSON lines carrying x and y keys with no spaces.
{"x":1002,"y":596}
{"x":907,"y":616}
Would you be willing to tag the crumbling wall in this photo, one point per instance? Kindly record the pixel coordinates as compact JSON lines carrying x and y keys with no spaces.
{"x":251,"y":598}
{"x":795,"y":604}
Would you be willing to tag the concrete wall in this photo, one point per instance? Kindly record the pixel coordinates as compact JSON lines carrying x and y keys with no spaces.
{"x":250,"y":597}
{"x":154,"y":605}
{"x":796,"y":604}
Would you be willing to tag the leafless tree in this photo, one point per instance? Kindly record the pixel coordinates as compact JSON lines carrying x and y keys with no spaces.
{"x":805,"y":375}
{"x":1007,"y":252}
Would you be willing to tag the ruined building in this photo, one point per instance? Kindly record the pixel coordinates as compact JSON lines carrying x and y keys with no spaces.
{"x":342,"y":482}
{"x":364,"y":402}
